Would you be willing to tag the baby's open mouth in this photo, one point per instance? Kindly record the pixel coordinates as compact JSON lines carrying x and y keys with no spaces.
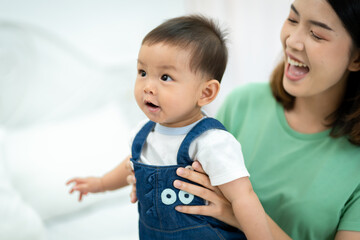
{"x":150,"y":104}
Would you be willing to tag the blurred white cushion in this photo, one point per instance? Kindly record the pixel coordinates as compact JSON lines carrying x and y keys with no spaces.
{"x":40,"y":159}
{"x":18,"y":220}
{"x":43,"y":78}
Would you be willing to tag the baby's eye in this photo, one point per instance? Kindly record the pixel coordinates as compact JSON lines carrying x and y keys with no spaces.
{"x":166,"y":78}
{"x":142,"y":73}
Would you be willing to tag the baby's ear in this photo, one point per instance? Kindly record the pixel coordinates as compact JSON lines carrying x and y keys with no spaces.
{"x":209,"y":92}
{"x":354,"y":65}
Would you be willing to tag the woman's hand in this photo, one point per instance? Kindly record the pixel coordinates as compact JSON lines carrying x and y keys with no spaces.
{"x":131,"y":180}
{"x":218,"y":206}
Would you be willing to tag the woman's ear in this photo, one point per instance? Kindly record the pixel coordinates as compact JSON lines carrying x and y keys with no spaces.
{"x":354,"y":65}
{"x":209,"y":92}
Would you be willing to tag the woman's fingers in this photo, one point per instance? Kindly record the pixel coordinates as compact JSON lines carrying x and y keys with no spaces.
{"x":197,"y":167}
{"x":133,"y":197}
{"x":196,"y":190}
{"x":199,"y":210}
{"x":131,"y":179}
{"x":128,"y":164}
{"x":218,"y":206}
{"x":193,"y":176}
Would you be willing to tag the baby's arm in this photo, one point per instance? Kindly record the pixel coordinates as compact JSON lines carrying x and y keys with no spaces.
{"x":247,"y":208}
{"x":112,"y":180}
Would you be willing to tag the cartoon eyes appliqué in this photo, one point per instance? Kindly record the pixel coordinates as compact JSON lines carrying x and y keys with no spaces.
{"x":185,"y":197}
{"x":168,"y":196}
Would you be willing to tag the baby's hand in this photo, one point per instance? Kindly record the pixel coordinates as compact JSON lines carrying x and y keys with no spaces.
{"x":86,"y":185}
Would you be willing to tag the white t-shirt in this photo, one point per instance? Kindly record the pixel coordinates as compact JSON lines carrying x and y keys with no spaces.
{"x":217,"y":150}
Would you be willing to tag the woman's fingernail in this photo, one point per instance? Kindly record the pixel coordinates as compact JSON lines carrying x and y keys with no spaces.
{"x":178,"y":208}
{"x":177,"y":183}
{"x":180,"y":171}
{"x":195,"y":165}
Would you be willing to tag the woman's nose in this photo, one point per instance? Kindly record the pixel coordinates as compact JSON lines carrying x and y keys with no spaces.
{"x":295,"y":40}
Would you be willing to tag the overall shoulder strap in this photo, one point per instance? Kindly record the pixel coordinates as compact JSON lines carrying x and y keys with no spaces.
{"x":204,"y":125}
{"x":140,"y":139}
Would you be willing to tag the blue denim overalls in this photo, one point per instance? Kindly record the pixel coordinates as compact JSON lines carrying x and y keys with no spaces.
{"x":157,"y":197}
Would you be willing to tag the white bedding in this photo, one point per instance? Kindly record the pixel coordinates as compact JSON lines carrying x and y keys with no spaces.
{"x":63,"y":114}
{"x":108,"y":220}
{"x":67,"y":70}
{"x":37,"y":161}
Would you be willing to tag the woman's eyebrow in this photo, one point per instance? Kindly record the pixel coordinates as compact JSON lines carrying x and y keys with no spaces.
{"x":320,"y":24}
{"x":313,"y":22}
{"x":294,"y":9}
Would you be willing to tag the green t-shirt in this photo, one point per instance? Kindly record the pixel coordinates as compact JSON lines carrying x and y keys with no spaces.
{"x":309,"y":184}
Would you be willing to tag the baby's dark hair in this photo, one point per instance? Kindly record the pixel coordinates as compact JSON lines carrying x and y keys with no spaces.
{"x":202,"y":35}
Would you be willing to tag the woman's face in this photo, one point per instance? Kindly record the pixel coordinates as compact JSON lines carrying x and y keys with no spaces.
{"x":318,"y":50}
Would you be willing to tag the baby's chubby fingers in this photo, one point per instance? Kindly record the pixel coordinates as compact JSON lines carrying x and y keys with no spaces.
{"x":73,"y":180}
{"x":81,"y":196}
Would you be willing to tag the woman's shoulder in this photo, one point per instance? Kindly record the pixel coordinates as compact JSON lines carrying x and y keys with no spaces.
{"x":246,"y":100}
{"x":249,"y":94}
{"x":255,"y":90}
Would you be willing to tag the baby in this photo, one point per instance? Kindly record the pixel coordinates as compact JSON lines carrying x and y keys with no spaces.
{"x":180,"y":66}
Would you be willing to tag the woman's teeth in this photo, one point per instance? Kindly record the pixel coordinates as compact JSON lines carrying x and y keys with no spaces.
{"x":295,"y":63}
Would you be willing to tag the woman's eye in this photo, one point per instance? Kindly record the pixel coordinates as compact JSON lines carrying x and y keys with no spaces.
{"x":292,"y":20}
{"x":142,"y":73}
{"x":166,"y":78}
{"x":315,"y":36}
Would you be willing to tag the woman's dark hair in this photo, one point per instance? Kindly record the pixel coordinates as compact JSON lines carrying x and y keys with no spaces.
{"x":199,"y":34}
{"x":345,"y":121}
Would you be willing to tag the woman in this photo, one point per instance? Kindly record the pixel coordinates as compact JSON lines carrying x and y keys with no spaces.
{"x":300,"y":135}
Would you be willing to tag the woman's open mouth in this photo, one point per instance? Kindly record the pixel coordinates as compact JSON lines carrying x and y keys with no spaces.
{"x":295,"y":70}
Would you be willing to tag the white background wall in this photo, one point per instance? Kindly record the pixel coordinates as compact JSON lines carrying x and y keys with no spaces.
{"x":67,"y":69}
{"x":110,"y":31}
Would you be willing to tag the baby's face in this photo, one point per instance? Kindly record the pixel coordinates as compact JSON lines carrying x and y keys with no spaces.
{"x":166,"y":90}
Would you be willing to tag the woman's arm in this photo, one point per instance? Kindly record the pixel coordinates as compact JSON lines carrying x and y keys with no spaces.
{"x":247,"y":208}
{"x":347,"y":235}
{"x":218,"y":207}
